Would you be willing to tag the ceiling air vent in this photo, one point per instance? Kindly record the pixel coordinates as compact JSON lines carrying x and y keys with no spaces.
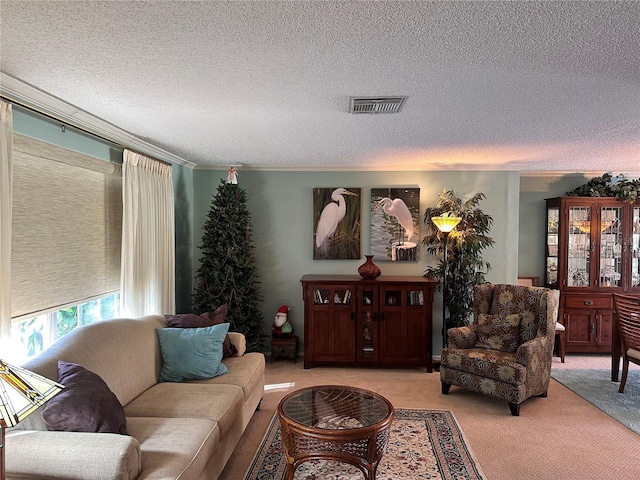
{"x":376,"y":104}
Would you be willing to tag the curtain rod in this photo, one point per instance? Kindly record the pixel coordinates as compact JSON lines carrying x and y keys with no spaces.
{"x":65,"y":124}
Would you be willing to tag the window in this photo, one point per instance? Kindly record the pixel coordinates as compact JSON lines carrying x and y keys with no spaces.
{"x":66,"y":233}
{"x":66,"y":237}
{"x":37,"y":333}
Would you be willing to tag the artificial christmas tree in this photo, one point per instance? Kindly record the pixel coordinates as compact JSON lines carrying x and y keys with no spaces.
{"x":227,"y":273}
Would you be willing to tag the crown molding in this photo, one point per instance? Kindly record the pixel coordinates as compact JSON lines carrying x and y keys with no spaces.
{"x":30,"y":97}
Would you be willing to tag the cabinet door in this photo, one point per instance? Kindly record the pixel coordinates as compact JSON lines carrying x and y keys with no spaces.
{"x":331,"y":325}
{"x":634,"y":251}
{"x":552,"y":247}
{"x":367,"y":327}
{"x":604,"y":324}
{"x":580,"y":246}
{"x":418,"y":329}
{"x":580,"y":329}
{"x":610,"y":245}
{"x":403,"y":336}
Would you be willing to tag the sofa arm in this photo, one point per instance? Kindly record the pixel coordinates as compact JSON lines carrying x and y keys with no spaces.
{"x":239,"y":341}
{"x":71,"y":455}
{"x":461,"y":337}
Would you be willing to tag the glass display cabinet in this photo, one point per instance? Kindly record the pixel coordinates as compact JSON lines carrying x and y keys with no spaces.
{"x":591,"y":250}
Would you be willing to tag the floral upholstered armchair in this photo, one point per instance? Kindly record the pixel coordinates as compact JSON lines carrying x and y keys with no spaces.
{"x":506,"y":353}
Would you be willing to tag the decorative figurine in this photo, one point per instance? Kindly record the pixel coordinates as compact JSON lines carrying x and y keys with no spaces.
{"x":232,"y":176}
{"x":281,"y":326}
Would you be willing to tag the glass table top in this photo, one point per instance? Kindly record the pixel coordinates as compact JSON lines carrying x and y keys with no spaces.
{"x":335,"y":407}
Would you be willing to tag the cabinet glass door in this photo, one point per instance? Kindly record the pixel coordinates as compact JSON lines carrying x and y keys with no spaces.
{"x":579,"y":245}
{"x":611,"y":242}
{"x":634,"y":247}
{"x":332,"y":296}
{"x":415,"y":298}
{"x":553,"y":219}
{"x":368,"y":314}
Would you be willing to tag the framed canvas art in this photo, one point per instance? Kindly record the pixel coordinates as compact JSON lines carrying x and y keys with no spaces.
{"x":395,"y":233}
{"x":336,"y":223}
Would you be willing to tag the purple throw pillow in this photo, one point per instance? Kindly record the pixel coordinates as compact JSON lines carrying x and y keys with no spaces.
{"x":207,"y":319}
{"x":85,"y":405}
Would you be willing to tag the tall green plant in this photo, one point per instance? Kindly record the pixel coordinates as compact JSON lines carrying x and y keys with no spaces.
{"x":465,"y":266}
{"x":228,"y":273}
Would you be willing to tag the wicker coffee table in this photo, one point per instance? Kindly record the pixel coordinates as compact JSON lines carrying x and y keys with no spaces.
{"x":335,"y":422}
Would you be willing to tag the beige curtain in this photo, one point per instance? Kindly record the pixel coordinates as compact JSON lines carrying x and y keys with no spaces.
{"x":147,"y":275}
{"x":6,"y":176}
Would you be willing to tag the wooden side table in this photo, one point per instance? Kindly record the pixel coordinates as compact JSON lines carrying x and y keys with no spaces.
{"x":285,"y":347}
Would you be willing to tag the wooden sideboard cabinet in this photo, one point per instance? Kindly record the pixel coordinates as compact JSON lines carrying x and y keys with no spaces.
{"x":592,"y":250}
{"x":383,"y":322}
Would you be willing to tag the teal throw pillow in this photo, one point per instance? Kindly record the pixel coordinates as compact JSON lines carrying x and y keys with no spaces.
{"x":192,"y":353}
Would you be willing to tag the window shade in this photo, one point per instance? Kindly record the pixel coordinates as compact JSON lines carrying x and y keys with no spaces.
{"x":67,"y":228}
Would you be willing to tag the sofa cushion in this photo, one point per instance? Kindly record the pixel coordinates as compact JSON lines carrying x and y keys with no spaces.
{"x":247,"y":372}
{"x":40,"y":454}
{"x":207,"y":319}
{"x":174,"y":447}
{"x":508,"y":299}
{"x":498,"y":332}
{"x":129,"y":369}
{"x":85,"y":405}
{"x":491,"y":364}
{"x":192,"y":353}
{"x":219,"y":403}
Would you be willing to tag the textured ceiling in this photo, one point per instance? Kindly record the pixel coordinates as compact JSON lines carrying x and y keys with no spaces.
{"x":530,"y":86}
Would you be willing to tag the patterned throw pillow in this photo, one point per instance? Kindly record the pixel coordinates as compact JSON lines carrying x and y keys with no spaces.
{"x":498,"y":332}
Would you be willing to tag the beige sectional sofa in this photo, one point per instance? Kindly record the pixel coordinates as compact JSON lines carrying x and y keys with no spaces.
{"x":182,"y":430}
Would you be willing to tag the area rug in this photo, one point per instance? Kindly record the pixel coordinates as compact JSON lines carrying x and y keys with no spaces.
{"x":596,"y":387}
{"x":423,"y":444}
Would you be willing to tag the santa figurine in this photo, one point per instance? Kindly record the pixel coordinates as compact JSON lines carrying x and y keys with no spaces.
{"x":281,"y":326}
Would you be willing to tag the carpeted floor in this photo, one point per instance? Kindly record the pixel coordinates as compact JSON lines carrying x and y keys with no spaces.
{"x":561,"y":436}
{"x":422,"y":444}
{"x":596,"y":387}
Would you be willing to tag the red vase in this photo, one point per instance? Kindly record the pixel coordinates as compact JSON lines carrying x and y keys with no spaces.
{"x":369,"y":270}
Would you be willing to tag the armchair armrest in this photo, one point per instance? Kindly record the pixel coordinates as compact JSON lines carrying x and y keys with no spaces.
{"x":462,"y":337}
{"x":239,"y":341}
{"x":531,"y":353}
{"x":71,"y":455}
{"x":535,"y":355}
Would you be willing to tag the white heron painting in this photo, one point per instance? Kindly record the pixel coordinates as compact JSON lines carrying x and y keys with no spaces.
{"x":336,"y":223}
{"x":394,"y":223}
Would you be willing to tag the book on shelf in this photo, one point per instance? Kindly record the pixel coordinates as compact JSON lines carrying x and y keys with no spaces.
{"x":347,"y":296}
{"x":416,"y":298}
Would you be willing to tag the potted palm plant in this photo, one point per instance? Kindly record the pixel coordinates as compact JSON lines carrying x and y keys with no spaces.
{"x":465,"y":266}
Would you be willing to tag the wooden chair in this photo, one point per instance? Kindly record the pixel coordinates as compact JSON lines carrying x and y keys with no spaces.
{"x":560,"y":340}
{"x":627,"y":309}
